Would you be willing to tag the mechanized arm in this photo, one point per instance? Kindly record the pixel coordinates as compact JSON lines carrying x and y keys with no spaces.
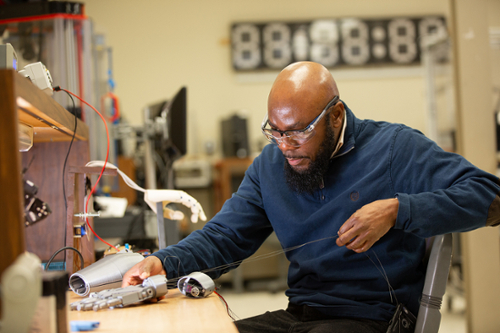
{"x":165,"y":196}
{"x":152,"y":287}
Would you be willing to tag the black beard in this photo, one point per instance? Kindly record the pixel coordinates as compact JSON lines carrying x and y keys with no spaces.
{"x":309,"y":180}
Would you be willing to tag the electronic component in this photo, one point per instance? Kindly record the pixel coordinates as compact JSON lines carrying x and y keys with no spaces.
{"x":234,"y":133}
{"x":35,"y":209}
{"x":191,"y":173}
{"x":196,"y":285}
{"x":8,"y":56}
{"x":39,"y":75}
{"x":403,"y":321}
{"x":152,"y":287}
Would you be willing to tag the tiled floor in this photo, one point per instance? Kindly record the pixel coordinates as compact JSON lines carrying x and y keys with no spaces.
{"x":249,"y":304}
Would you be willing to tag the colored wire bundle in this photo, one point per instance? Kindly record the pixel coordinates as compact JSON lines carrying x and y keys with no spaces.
{"x":103,"y":168}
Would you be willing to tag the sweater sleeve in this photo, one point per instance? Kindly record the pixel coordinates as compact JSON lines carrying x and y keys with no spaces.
{"x":439,"y":192}
{"x":233,"y":234}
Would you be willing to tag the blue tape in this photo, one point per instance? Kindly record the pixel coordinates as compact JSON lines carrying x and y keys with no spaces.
{"x":83,"y":325}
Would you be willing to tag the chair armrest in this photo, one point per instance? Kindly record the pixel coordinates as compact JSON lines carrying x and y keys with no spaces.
{"x":436,"y":277}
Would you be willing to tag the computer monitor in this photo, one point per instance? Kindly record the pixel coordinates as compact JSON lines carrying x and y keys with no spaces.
{"x":166,"y":139}
{"x":170,"y":128}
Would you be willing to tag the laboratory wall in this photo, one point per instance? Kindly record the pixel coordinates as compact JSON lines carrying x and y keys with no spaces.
{"x":161,"y":45}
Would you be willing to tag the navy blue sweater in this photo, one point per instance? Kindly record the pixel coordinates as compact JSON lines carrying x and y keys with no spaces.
{"x":438,"y":192}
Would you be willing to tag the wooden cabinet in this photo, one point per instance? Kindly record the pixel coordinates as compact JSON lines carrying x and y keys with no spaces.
{"x":21,"y":101}
{"x":229,"y":174}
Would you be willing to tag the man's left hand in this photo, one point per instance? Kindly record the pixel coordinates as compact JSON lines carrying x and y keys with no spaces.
{"x":368,"y":224}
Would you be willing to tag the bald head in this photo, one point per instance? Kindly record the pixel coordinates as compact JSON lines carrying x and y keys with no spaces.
{"x":299,"y":94}
{"x":302,"y":84}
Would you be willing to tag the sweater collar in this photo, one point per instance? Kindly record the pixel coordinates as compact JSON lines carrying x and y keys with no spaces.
{"x":346,"y":139}
{"x":340,"y":143}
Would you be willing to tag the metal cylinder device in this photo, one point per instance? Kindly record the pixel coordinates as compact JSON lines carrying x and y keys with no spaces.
{"x":196,"y":285}
{"x":106,"y":273}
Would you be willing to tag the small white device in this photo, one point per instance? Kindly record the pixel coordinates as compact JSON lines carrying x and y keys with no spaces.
{"x":39,"y":75}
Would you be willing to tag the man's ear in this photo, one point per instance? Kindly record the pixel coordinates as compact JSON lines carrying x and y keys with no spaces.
{"x":337,"y":115}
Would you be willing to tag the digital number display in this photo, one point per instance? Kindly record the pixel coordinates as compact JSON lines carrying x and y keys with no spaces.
{"x":332,"y":42}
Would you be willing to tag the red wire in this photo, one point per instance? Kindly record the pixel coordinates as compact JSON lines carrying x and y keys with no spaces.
{"x":102,"y":171}
{"x":222,"y":298}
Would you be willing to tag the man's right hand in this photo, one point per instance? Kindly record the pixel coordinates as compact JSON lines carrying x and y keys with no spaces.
{"x":139,"y":272}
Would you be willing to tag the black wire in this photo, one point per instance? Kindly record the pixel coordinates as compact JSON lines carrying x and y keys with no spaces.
{"x":382,"y":271}
{"x":63,"y":249}
{"x":64,"y":170}
{"x":69,"y":149}
{"x":29,"y":164}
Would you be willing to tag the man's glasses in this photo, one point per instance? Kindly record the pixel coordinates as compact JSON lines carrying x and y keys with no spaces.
{"x":295,"y":138}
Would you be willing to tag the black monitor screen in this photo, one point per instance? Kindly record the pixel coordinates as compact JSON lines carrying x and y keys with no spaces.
{"x":172,"y":139}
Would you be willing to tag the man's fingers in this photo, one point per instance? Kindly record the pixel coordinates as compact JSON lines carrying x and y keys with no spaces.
{"x":362,"y":243}
{"x":130,"y":281}
{"x":357,"y":243}
{"x":368,"y":224}
{"x":348,"y":225}
{"x":358,"y":247}
{"x":344,"y":240}
{"x":355,"y":240}
{"x":143,"y":270}
{"x":136,"y":274}
{"x":347,"y":234}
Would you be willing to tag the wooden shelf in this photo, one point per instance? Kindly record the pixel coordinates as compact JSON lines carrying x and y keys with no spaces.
{"x":21,"y":101}
{"x":51,"y":122}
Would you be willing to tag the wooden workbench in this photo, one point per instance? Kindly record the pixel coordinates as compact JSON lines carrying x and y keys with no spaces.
{"x":175,"y":313}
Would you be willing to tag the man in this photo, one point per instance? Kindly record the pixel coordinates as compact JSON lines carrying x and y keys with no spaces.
{"x":383,"y":188}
